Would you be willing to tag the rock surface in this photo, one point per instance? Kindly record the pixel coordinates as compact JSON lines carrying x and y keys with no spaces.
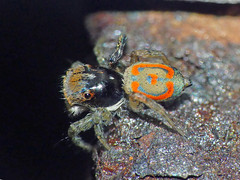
{"x":207,"y":49}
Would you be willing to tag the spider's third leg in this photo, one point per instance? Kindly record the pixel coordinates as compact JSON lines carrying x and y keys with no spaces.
{"x":157,"y":108}
{"x":80,"y":126}
{"x":135,"y":55}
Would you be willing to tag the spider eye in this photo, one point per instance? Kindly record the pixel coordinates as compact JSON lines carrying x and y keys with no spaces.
{"x":88,"y":95}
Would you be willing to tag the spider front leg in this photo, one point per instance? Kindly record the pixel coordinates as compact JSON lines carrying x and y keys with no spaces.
{"x":135,"y":55}
{"x":97,"y":119}
{"x":80,"y":126}
{"x":136,"y":100}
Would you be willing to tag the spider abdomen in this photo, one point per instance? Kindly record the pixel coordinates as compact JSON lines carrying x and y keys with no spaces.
{"x":156,"y":81}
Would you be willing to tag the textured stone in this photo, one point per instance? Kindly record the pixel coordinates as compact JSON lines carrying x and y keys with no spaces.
{"x":207,"y":49}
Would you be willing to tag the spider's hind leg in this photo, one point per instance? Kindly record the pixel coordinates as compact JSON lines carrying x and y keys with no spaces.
{"x":136,"y":105}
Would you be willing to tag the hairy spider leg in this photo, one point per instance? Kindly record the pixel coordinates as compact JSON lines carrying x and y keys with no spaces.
{"x":80,"y":126}
{"x":117,"y":54}
{"x":95,"y":119}
{"x":148,"y":54}
{"x":156,"y":107}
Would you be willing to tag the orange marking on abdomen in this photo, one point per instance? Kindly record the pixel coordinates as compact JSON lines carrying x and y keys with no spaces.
{"x":135,"y":86}
{"x":169,"y":93}
{"x":154,"y":78}
{"x":169,"y":75}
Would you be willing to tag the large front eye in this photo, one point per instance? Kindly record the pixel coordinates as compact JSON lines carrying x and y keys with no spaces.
{"x":88,"y":95}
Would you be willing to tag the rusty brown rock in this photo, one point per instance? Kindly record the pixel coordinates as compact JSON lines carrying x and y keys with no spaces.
{"x":204,"y":47}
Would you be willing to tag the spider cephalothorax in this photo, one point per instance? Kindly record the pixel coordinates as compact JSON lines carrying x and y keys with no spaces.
{"x":102,"y":90}
{"x":92,"y":87}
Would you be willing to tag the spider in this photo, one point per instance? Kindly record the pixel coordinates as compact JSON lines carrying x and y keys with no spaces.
{"x":103,"y":90}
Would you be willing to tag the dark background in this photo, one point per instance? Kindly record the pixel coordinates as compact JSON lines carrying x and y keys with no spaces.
{"x":39,"y":40}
